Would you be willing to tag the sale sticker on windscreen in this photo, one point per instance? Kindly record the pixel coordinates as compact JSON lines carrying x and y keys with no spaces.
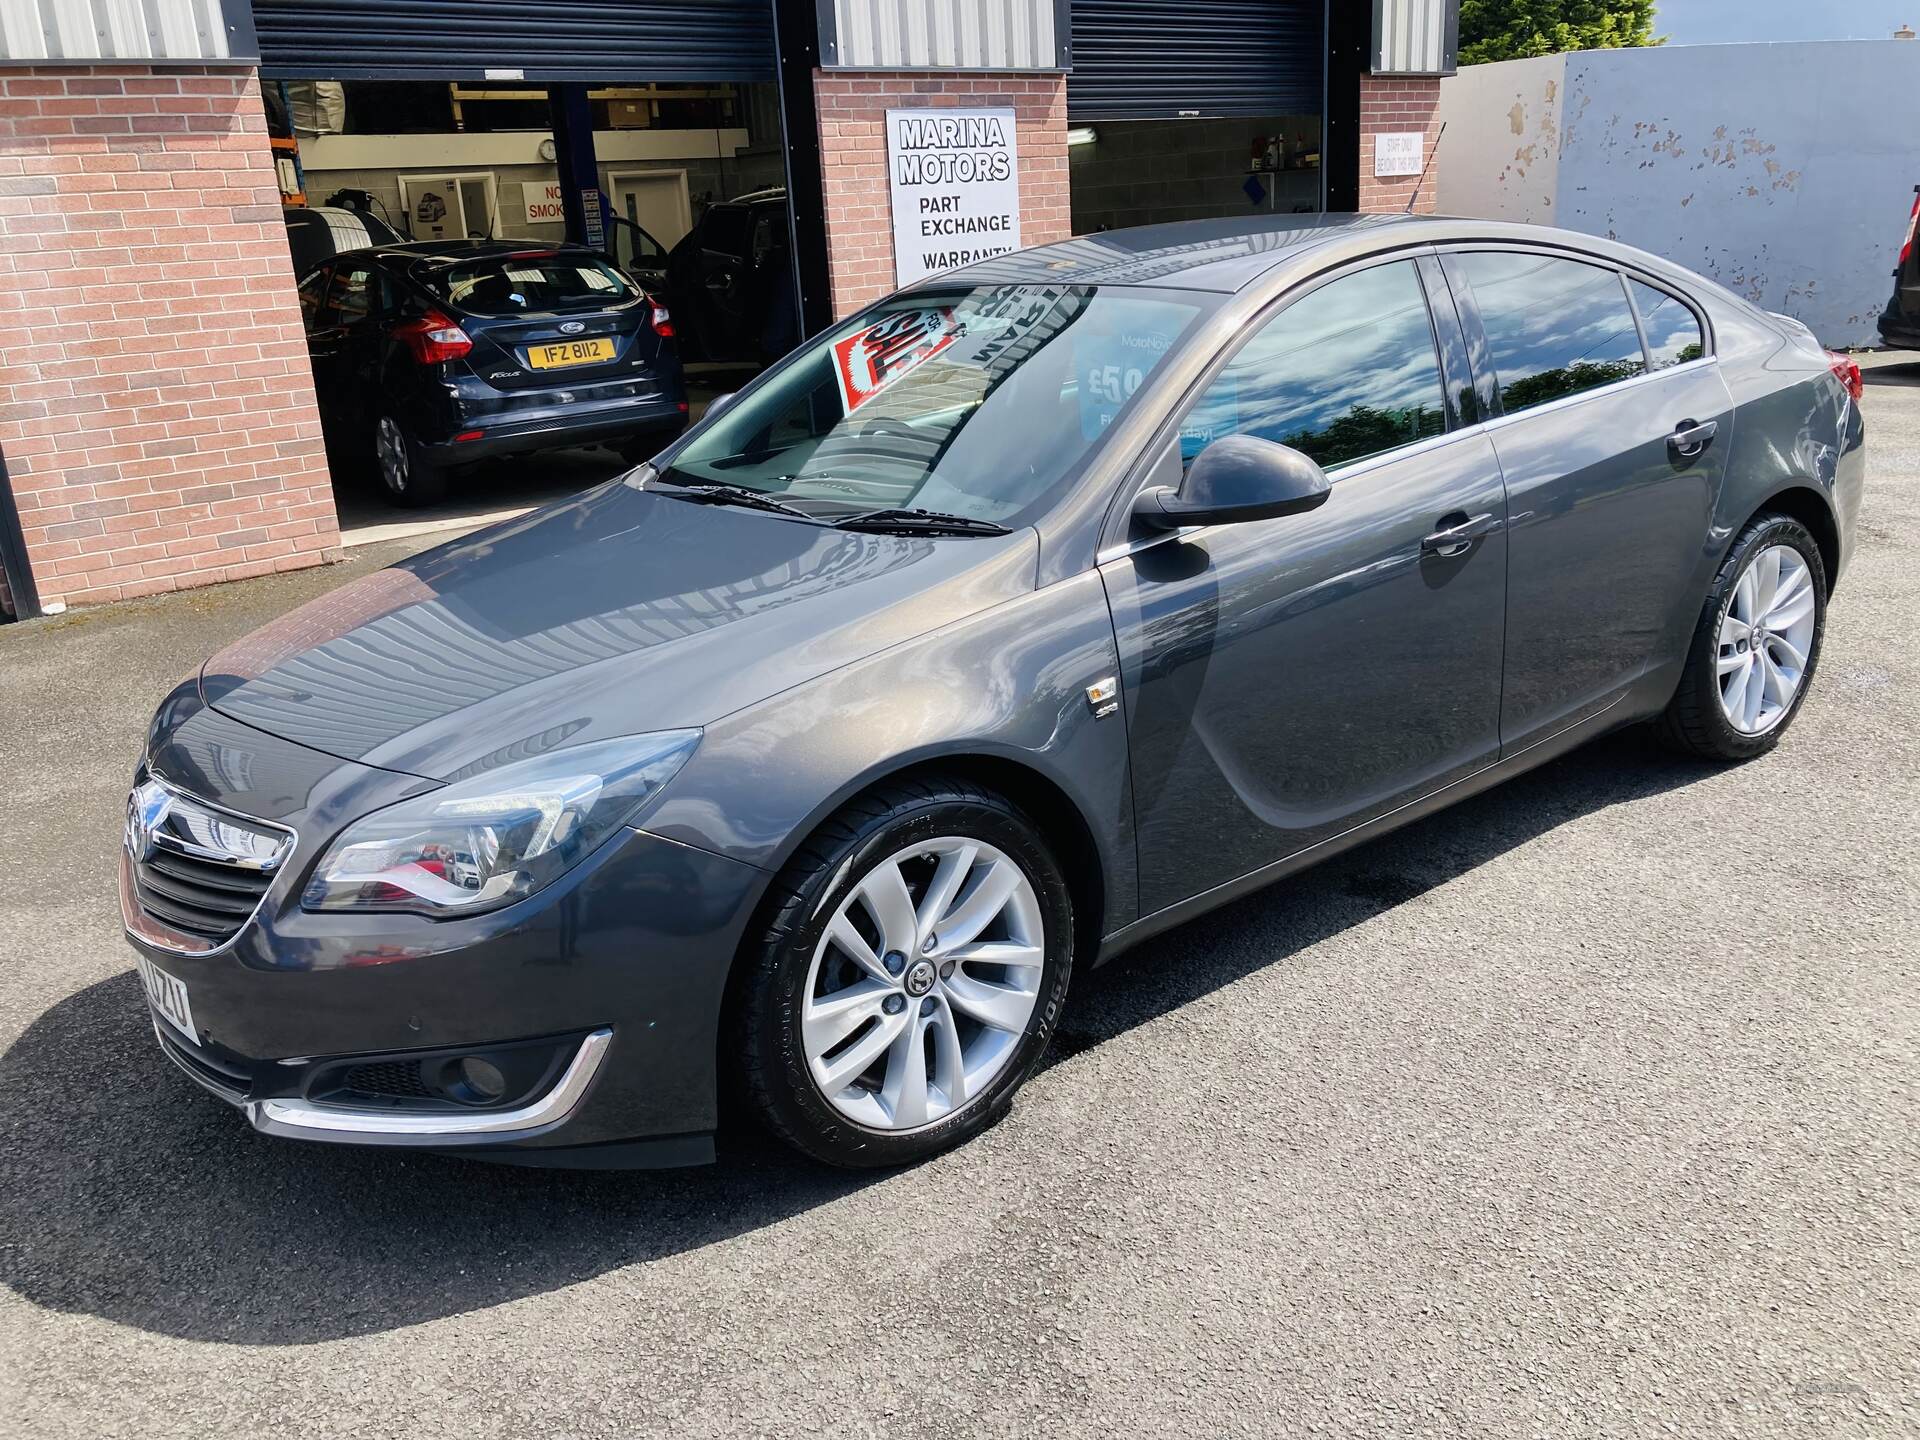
{"x":868,"y":361}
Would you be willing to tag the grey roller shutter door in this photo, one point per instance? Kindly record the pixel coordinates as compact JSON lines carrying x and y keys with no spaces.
{"x":1163,"y":59}
{"x":545,"y":40}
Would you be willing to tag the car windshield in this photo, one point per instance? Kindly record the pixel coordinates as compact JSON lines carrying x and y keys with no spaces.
{"x":537,"y":280}
{"x":978,"y":402}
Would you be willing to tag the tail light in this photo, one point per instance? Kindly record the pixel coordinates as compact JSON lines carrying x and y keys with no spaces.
{"x":1913,"y":221}
{"x":1847,"y":370}
{"x":661,"y":321}
{"x":433,"y":338}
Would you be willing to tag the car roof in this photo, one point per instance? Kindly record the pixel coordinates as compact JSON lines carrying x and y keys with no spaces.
{"x":771,"y":195}
{"x":1229,"y":255}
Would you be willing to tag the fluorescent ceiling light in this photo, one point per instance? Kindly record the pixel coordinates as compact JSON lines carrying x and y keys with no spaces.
{"x":1082,"y":135}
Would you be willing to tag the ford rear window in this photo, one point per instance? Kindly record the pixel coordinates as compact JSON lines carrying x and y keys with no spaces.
{"x":524,"y":284}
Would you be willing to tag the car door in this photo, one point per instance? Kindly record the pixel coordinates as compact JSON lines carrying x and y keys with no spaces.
{"x":1612,"y":458}
{"x":725,"y":269}
{"x":321,"y":321}
{"x":1288,"y":679}
{"x":362,"y":304}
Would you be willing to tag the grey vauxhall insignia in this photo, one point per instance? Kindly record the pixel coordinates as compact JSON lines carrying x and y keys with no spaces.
{"x":1033,"y":610}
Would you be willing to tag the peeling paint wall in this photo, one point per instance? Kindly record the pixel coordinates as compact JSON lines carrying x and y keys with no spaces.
{"x":1785,"y":172}
{"x":1500,"y":156}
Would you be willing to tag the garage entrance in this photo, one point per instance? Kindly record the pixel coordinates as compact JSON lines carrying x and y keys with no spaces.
{"x":1194,"y":109}
{"x":647,"y":130}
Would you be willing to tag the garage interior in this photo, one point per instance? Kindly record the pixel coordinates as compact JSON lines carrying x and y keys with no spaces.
{"x":613,"y":129}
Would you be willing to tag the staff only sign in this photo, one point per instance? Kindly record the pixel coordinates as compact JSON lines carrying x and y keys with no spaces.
{"x":955,"y":176}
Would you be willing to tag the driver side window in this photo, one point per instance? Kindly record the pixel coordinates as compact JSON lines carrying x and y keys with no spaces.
{"x":1347,"y":371}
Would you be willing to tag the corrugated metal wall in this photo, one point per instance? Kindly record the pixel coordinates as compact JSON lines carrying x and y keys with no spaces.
{"x":84,"y":30}
{"x":944,"y":34}
{"x":1415,"y":37}
{"x":1162,"y":59}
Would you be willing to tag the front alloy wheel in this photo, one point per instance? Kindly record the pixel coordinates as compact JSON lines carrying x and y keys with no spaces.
{"x":924,"y":983}
{"x":914,"y":964}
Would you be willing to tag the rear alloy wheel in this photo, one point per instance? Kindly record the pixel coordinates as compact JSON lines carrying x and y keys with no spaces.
{"x":408,"y":476}
{"x":1755,"y":649}
{"x":911,"y":979}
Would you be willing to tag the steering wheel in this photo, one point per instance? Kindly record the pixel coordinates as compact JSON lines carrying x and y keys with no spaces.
{"x":888,"y":425}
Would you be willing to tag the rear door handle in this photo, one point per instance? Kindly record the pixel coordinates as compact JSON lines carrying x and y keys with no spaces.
{"x":1457,"y":532}
{"x":1690,"y":437}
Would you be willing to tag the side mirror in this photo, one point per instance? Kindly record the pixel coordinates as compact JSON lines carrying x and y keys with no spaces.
{"x":1236,"y":478}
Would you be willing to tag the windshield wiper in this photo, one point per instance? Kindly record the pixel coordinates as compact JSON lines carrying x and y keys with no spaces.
{"x":919,"y":522}
{"x":714,"y":492}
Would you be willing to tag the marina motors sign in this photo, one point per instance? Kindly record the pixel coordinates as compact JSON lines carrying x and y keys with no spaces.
{"x":955,"y":177}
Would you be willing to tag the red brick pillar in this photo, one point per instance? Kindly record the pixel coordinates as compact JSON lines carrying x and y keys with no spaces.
{"x":156,"y":407}
{"x":853,"y":162}
{"x":1397,"y":103}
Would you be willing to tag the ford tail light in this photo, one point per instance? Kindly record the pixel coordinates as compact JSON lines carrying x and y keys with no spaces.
{"x":1913,"y":221}
{"x":1847,"y":369}
{"x":660,"y":319}
{"x":433,"y":338}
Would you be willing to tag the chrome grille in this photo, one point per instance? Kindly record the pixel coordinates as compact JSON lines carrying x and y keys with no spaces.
{"x":198,"y":870}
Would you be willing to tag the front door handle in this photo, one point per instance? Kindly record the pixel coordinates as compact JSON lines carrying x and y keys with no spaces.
{"x":1456,"y":534}
{"x":1690,"y":437}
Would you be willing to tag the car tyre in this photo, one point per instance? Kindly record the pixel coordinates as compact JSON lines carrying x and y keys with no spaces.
{"x":1755,"y":649}
{"x":821,"y":890}
{"x":408,"y":475}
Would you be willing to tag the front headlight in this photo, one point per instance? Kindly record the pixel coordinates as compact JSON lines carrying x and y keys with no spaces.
{"x":498,"y":836}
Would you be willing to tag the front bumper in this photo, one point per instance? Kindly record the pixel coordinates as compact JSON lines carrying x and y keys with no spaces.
{"x":623,"y":962}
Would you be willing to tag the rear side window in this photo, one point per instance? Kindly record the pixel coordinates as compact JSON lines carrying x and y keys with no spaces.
{"x":523,"y":284}
{"x":1345,"y":372}
{"x":1554,"y":327}
{"x":1673,"y":330}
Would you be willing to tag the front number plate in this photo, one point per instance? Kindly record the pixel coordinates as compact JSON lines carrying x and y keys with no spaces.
{"x":168,"y":997}
{"x":569,"y":352}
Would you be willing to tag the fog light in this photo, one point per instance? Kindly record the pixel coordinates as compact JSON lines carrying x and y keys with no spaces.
{"x":481,"y":1078}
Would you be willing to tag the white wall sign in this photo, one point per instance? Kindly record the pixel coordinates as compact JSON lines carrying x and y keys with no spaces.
{"x":1398,"y":153}
{"x":544,"y":206}
{"x":955,"y":178}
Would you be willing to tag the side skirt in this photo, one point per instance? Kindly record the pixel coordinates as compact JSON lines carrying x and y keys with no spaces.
{"x":1537,"y":754}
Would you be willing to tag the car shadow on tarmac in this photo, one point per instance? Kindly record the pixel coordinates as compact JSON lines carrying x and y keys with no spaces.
{"x":127,"y":1193}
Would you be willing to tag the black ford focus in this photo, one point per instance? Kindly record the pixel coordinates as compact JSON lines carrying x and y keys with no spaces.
{"x":1031,"y":611}
{"x":430,"y":357}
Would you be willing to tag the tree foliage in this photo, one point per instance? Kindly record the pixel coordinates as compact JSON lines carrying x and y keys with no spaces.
{"x":1514,"y":29}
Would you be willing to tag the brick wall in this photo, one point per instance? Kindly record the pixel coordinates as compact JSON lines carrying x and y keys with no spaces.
{"x":1397,"y":102}
{"x":156,"y":409}
{"x":853,"y":155}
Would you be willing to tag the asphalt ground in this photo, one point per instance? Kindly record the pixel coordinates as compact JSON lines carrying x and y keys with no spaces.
{"x":1585,"y":1108}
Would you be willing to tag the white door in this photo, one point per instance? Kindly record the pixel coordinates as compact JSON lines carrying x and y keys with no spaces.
{"x":656,"y":201}
{"x":450,"y":207}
